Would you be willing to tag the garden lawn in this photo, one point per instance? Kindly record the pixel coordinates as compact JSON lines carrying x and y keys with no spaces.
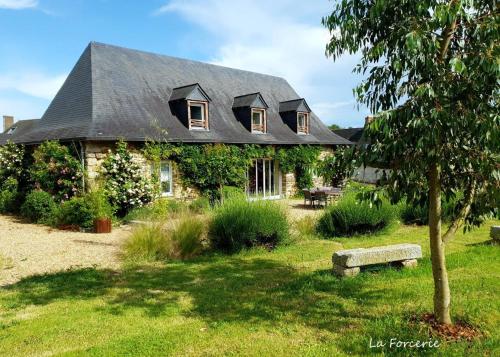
{"x":257,"y":303}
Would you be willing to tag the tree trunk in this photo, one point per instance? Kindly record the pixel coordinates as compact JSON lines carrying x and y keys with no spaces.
{"x":441,"y":286}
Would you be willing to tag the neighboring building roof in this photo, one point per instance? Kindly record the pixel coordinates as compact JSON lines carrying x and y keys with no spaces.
{"x":114,"y":92}
{"x":352,"y":134}
{"x":253,"y":100}
{"x":295,"y":105}
{"x":19,"y":128}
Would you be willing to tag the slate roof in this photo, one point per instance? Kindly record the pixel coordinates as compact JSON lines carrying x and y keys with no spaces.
{"x":192,"y":91}
{"x":114,"y":92}
{"x":253,"y":100}
{"x":21,"y":128}
{"x":294,"y":105}
{"x":354,"y":135}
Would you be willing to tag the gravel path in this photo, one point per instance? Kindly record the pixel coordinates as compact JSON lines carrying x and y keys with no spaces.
{"x":28,"y":249}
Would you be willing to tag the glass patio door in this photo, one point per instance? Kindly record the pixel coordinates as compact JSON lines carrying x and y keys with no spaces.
{"x":263,"y":179}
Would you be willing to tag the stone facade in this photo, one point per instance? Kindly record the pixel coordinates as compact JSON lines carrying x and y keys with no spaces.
{"x":95,"y":153}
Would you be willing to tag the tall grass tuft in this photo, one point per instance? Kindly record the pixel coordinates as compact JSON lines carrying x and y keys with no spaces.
{"x":147,"y":243}
{"x":239,"y":224}
{"x":186,"y":238}
{"x":350,"y":217}
{"x":183,"y":239}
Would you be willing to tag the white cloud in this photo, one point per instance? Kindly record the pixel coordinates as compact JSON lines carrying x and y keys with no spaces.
{"x":279,"y":37}
{"x":18,"y":4}
{"x":36,"y":84}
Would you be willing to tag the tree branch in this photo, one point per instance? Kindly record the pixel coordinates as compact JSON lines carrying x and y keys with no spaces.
{"x":447,"y":35}
{"x":458,"y":221}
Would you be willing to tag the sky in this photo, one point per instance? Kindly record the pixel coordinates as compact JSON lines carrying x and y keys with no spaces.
{"x":41,"y":40}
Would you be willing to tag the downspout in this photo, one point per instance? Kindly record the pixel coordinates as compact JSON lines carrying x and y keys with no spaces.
{"x":82,"y":158}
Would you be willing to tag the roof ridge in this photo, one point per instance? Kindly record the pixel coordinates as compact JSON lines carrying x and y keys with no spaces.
{"x":101,"y":44}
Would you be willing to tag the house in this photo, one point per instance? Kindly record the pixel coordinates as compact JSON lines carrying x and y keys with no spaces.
{"x":117,"y":93}
{"x":366,"y":174}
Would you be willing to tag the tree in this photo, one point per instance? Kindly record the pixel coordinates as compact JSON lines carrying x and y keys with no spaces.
{"x":333,"y":127}
{"x":432,"y":78}
{"x":339,"y":166}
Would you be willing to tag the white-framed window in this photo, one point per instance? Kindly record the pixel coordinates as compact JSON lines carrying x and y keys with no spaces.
{"x":302,"y":123}
{"x":198,"y":115}
{"x":165,"y":178}
{"x":259,"y":124}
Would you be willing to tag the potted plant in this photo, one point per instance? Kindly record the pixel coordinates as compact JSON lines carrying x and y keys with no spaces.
{"x":103,"y":212}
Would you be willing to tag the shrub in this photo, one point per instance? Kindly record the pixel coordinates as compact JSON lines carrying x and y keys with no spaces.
{"x":56,"y":171}
{"x":199,"y":205}
{"x":8,"y":201}
{"x":154,"y":242}
{"x":39,"y":207}
{"x":157,"y":210}
{"x":416,"y":214}
{"x":239,"y":224}
{"x":76,"y":212}
{"x":350,"y":217}
{"x":125,"y":185}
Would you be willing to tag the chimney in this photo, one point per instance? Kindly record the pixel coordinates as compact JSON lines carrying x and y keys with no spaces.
{"x":369,"y":119}
{"x":8,"y":121}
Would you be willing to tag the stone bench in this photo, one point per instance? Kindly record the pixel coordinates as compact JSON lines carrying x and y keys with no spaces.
{"x":495,"y":233}
{"x":348,"y":262}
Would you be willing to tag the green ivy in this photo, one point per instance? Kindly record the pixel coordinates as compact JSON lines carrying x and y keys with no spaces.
{"x":210,"y":167}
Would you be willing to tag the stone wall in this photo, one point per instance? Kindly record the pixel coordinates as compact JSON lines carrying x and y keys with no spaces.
{"x":95,"y":153}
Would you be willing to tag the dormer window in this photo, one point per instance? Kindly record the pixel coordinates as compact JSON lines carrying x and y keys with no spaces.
{"x":250,"y":110}
{"x":302,"y":123}
{"x":258,"y":121}
{"x":297,"y":115}
{"x":198,"y":115}
{"x":190,"y":104}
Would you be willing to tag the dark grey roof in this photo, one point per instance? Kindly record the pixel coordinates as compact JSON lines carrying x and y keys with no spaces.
{"x":352,"y":134}
{"x":191,"y":91}
{"x":295,"y":105}
{"x":253,"y":100}
{"x":20,"y":127}
{"x":114,"y":92}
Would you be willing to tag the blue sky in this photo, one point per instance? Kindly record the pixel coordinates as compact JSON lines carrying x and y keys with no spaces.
{"x":41,"y":40}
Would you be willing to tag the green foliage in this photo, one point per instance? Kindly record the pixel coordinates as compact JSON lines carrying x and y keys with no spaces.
{"x":239,"y":224}
{"x":8,"y":201}
{"x":39,"y":207}
{"x":155,"y":242}
{"x":337,"y":168}
{"x":146,"y":243}
{"x":11,"y":162}
{"x":419,"y":214}
{"x":186,"y":238}
{"x":333,"y":127}
{"x":12,"y":172}
{"x":56,"y":171}
{"x":433,"y":80}
{"x":352,"y":217}
{"x":99,"y":203}
{"x":77,"y":211}
{"x":300,"y":159}
{"x":160,"y":209}
{"x":125,"y":186}
{"x":199,"y":205}
{"x":211,"y":167}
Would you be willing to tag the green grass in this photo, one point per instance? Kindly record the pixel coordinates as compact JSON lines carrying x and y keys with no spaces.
{"x":281,"y":303}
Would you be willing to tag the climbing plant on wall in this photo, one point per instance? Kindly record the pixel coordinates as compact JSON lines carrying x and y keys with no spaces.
{"x":210,"y":167}
{"x":56,"y":171}
{"x":124,"y":184}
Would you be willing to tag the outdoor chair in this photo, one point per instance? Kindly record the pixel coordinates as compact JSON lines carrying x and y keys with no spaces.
{"x":308,"y":196}
{"x":322,"y":198}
